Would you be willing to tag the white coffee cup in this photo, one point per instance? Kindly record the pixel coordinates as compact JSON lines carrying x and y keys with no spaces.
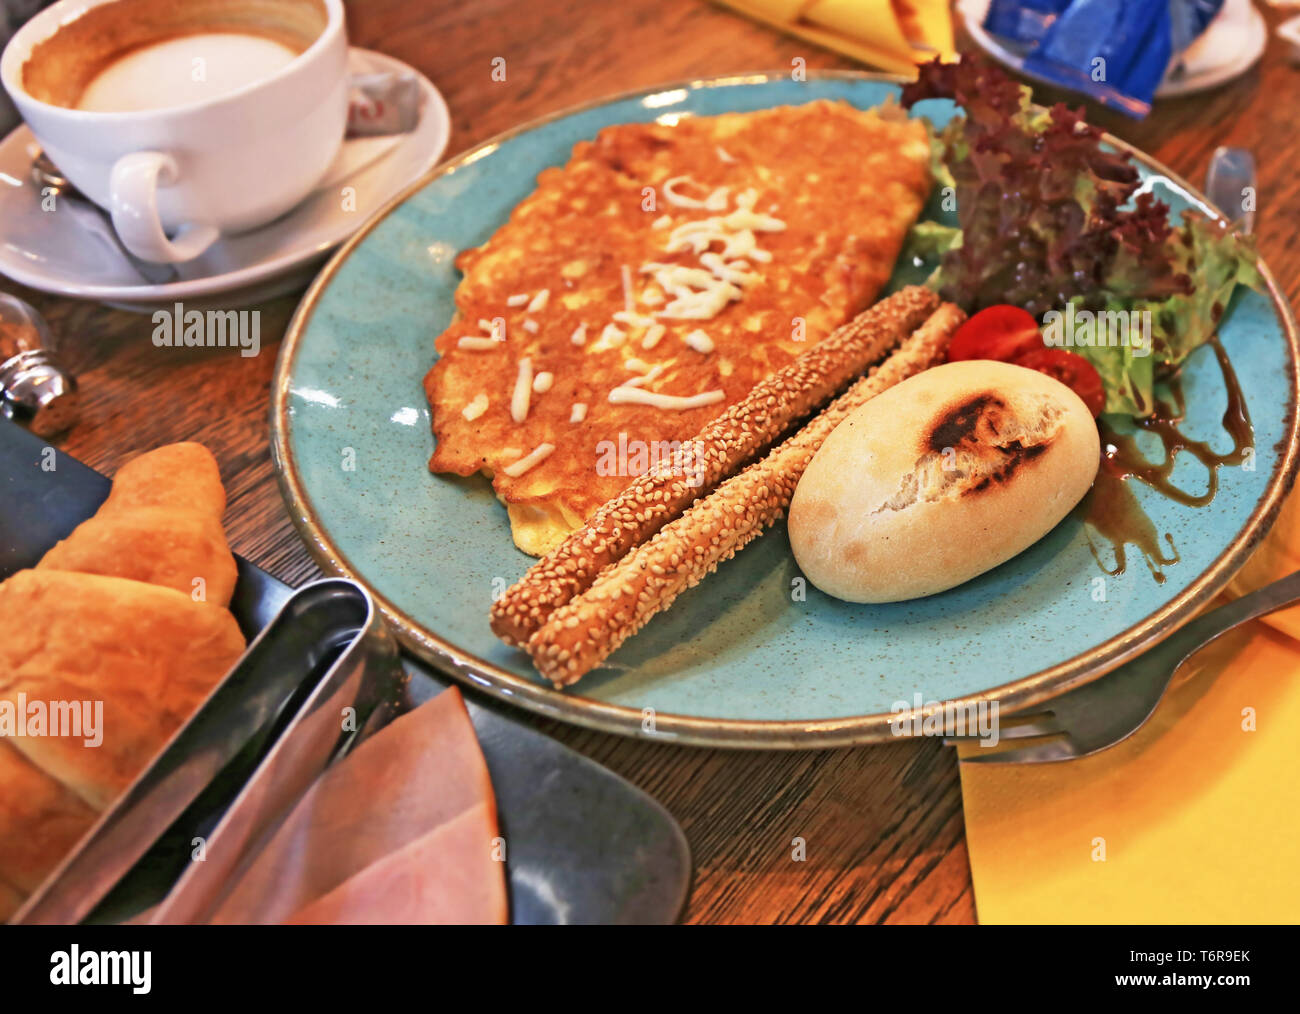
{"x":224,"y":164}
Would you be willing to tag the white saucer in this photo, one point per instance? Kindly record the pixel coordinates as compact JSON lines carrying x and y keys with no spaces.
{"x":54,"y":251}
{"x":1229,"y":47}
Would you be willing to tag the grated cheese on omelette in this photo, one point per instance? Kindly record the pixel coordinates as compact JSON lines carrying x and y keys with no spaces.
{"x":711,"y":292}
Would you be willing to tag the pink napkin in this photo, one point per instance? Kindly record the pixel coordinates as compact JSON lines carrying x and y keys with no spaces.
{"x":402,"y":830}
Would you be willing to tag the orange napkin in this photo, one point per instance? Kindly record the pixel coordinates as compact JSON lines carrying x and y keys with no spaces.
{"x":1195,"y":818}
{"x":890,"y":34}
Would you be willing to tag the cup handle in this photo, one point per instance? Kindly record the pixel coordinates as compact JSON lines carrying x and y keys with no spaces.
{"x":134,"y":191}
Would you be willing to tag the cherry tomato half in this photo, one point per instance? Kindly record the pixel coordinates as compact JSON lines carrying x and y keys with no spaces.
{"x":998,"y":332}
{"x":1072,"y":370}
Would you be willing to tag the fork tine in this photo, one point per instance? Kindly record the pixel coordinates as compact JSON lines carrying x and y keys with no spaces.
{"x":1053,"y":750}
{"x":1043,"y":723}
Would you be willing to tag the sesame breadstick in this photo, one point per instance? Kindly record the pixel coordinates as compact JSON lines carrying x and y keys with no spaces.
{"x":724,"y":445}
{"x":585,"y":631}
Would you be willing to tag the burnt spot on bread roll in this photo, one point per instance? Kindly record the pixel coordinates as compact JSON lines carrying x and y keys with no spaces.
{"x":1015,"y":452}
{"x":973,"y":445}
{"x":959,"y":423}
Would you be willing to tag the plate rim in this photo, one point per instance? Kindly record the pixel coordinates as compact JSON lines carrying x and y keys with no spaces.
{"x":473,"y":671}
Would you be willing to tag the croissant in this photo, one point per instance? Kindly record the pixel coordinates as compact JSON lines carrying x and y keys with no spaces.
{"x":161,"y":524}
{"x":106,"y":647}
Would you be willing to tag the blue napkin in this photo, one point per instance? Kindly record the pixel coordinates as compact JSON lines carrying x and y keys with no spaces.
{"x":1115,"y":51}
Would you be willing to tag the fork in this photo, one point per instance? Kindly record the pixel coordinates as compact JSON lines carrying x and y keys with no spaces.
{"x":1108,"y":710}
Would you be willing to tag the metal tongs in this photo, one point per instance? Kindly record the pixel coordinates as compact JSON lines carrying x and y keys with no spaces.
{"x":300,"y":696}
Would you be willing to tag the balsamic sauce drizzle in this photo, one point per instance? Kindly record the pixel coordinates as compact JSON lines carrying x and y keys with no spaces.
{"x":1113,"y":512}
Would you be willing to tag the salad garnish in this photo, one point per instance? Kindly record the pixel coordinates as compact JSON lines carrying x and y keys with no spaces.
{"x":1050,"y":218}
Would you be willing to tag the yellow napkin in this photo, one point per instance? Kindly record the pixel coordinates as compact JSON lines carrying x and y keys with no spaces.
{"x":1195,"y":818}
{"x":891,"y":34}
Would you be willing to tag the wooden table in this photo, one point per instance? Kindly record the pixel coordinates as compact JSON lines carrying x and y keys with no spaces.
{"x":882,"y":825}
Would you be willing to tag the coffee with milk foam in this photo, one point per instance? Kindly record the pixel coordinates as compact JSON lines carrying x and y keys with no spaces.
{"x":183,"y":71}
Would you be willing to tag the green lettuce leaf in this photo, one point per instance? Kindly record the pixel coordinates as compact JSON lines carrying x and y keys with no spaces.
{"x":1217,"y":260}
{"x":1049,"y":215}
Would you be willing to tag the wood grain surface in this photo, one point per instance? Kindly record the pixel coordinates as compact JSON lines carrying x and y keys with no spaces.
{"x":881,"y":827}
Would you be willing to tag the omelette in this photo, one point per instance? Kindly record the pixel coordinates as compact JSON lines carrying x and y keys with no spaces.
{"x":651,"y":282}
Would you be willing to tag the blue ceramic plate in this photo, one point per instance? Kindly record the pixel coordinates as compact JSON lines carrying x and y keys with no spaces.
{"x":739,"y":660}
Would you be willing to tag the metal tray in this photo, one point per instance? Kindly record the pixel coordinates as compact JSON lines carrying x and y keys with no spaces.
{"x":277,"y":713}
{"x":585,"y":845}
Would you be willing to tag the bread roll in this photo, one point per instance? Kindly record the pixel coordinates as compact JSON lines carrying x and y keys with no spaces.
{"x":40,"y":821}
{"x":161,"y":524}
{"x":181,"y":477}
{"x":109,"y":618}
{"x":150,"y":654}
{"x":10,"y":901}
{"x":941,"y":478}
